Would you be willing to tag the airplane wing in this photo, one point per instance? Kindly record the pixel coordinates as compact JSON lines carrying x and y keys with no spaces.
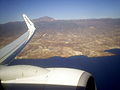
{"x":11,"y":50}
{"x":22,"y":77}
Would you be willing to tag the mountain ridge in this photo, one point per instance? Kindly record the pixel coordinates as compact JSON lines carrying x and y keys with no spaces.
{"x":44,"y":18}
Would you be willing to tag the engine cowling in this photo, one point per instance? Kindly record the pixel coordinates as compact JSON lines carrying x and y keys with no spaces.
{"x":70,"y":79}
{"x":33,"y":78}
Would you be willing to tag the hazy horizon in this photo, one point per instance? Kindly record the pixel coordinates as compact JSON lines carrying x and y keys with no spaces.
{"x":58,"y":19}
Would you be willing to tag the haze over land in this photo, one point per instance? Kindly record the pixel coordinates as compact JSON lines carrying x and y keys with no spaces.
{"x":65,"y":38}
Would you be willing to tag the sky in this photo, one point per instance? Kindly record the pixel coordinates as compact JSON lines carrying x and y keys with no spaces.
{"x":11,"y":10}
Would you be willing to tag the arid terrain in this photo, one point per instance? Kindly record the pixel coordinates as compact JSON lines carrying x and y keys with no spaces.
{"x":65,"y":38}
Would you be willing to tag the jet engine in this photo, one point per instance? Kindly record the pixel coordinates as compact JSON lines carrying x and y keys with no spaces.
{"x":36,"y":78}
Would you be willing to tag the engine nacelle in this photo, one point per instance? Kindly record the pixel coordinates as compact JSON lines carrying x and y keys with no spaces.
{"x":31,"y":77}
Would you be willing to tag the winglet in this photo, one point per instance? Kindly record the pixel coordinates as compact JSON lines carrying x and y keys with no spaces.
{"x":29,"y":23}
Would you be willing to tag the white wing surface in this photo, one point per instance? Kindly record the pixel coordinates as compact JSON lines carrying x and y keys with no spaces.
{"x":11,"y":50}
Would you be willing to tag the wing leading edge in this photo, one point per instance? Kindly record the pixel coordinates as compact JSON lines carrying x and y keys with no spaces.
{"x":8,"y":52}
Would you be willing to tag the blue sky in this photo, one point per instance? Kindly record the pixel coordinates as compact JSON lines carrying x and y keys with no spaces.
{"x":11,"y":10}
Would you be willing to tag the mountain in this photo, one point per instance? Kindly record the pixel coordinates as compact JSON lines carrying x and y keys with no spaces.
{"x":65,"y":38}
{"x":45,"y":18}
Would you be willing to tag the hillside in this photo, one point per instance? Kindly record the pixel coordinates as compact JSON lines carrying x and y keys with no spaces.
{"x":65,"y":38}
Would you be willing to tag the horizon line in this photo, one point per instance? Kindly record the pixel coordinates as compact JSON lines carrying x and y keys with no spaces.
{"x":60,"y":19}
